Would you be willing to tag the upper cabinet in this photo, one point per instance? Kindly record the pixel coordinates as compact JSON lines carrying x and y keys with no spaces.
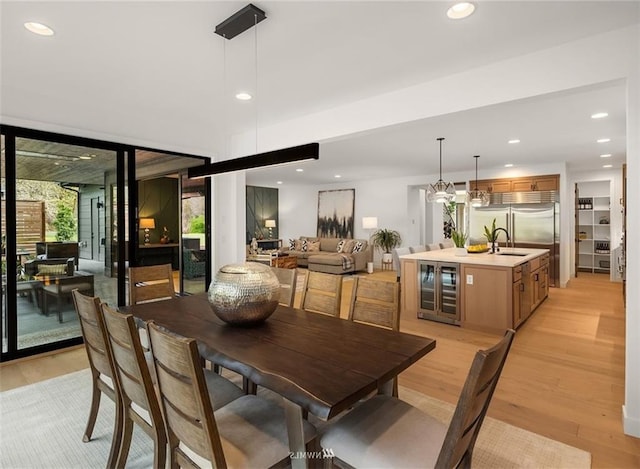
{"x":524,"y":184}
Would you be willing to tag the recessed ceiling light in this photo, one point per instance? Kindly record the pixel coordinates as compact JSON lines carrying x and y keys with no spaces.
{"x":603,"y":140}
{"x":299,"y":170}
{"x":279,"y":182}
{"x":607,"y":165}
{"x":599,"y":115}
{"x":243,"y":96}
{"x":508,"y":165}
{"x":606,"y":155}
{"x":514,"y":140}
{"x":460,"y":10}
{"x":337,"y":176}
{"x":38,"y":28}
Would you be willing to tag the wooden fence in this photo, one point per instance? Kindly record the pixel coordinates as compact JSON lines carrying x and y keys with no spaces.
{"x":29,"y":224}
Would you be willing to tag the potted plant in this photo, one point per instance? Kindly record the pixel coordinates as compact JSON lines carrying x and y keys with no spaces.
{"x":459,"y":238}
{"x":386,"y":240}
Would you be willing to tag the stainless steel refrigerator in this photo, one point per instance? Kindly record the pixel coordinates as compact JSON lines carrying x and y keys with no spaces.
{"x":531,"y":218}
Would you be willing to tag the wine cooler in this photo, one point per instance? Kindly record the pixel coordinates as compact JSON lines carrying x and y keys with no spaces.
{"x":439,"y":291}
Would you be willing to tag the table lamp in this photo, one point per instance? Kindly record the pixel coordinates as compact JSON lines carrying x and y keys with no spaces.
{"x":147,"y":224}
{"x":271,"y":224}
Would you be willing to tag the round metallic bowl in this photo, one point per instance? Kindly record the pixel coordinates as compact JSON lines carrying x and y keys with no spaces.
{"x":244,"y":294}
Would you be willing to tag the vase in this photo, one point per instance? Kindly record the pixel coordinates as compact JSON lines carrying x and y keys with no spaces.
{"x":244,"y":294}
{"x":460,"y":252}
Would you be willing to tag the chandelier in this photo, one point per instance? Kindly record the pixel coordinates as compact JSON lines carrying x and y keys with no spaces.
{"x":475,"y":197}
{"x":441,"y":191}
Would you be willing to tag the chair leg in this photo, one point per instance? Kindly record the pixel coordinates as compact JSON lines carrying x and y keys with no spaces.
{"x":125,"y":444}
{"x":160,"y":448}
{"x":118,"y":428}
{"x":93,"y":411}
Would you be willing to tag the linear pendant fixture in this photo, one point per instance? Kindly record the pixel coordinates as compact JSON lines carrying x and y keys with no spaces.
{"x":309,"y":151}
{"x":441,"y":191}
{"x":236,"y":24}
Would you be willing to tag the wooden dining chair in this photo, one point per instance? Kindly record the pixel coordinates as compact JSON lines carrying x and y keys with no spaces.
{"x":248,"y":432}
{"x":387,"y":432}
{"x":150,"y":283}
{"x":101,"y":366}
{"x":322,"y":293}
{"x":136,"y":386}
{"x":287,"y":279}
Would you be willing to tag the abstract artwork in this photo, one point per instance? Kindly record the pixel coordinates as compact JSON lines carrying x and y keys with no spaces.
{"x":335,"y":213}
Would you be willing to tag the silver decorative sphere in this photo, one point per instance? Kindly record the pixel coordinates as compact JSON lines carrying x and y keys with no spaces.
{"x":244,"y":294}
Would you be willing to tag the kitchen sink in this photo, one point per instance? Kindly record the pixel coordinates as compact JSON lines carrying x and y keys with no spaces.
{"x":520,"y":254}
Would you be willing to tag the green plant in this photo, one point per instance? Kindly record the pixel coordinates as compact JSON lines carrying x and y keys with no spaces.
{"x":196,"y":225}
{"x":491,"y":234}
{"x":458,"y":238}
{"x":65,"y":223}
{"x":386,"y":240}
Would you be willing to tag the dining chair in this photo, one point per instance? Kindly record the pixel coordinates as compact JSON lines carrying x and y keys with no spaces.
{"x":136,"y":386}
{"x":322,"y":293}
{"x":150,"y":283}
{"x":387,"y":432}
{"x":287,"y":279}
{"x":248,"y":432}
{"x":377,"y":303}
{"x":103,"y":379}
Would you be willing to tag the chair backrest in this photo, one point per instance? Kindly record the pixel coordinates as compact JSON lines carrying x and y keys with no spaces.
{"x":322,"y":293}
{"x":287,"y":279}
{"x":150,"y":283}
{"x":418,"y":248}
{"x":184,"y":398}
{"x":395,"y":254}
{"x":433,"y":247}
{"x":93,"y":333}
{"x":473,"y":404}
{"x":134,"y":376}
{"x":375,"y":302}
{"x":447,"y":243}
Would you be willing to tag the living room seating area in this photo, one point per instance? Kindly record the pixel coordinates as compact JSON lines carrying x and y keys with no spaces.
{"x":330,"y":255}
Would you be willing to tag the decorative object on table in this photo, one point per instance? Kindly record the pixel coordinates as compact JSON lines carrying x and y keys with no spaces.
{"x":254,"y":246}
{"x":477,"y":248}
{"x":386,"y":240}
{"x":244,"y":294}
{"x":459,"y":238}
{"x":475,"y":197}
{"x":270,"y":225}
{"x":165,"y":236}
{"x":441,"y":191}
{"x":335,"y":213}
{"x":147,"y":224}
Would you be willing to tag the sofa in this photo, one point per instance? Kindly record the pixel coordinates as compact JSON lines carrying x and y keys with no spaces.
{"x":330,"y":255}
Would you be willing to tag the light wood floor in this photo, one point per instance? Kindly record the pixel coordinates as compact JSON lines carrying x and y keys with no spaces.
{"x":564,"y":377}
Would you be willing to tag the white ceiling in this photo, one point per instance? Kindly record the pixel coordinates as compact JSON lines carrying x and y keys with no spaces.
{"x":154,"y":73}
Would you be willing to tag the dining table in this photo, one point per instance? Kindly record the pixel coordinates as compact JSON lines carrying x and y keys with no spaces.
{"x":318,"y":364}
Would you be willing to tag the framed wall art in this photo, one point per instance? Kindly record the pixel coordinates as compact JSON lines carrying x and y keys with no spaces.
{"x":335,"y":213}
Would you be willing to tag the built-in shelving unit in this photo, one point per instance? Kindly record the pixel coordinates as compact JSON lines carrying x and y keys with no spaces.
{"x":594,"y":226}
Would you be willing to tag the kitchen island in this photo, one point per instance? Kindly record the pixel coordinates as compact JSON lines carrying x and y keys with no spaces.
{"x":484,"y":291}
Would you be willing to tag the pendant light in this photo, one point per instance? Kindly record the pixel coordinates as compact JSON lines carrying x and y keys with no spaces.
{"x":475,"y":197}
{"x":441,"y":191}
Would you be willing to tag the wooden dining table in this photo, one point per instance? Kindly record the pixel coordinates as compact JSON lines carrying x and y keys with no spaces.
{"x":317,"y":363}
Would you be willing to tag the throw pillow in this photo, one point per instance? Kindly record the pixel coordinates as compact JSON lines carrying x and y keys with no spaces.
{"x":305,"y":245}
{"x":292,"y":244}
{"x":340,"y":245}
{"x":297,"y":245}
{"x":358,"y":247}
{"x":313,"y":246}
{"x":348,"y":245}
{"x":52,"y":269}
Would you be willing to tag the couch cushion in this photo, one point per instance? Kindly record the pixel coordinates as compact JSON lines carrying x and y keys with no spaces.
{"x":326,"y":259}
{"x":359,"y":246}
{"x":348,"y":246}
{"x":52,"y":269}
{"x":329,"y":244}
{"x":313,"y":246}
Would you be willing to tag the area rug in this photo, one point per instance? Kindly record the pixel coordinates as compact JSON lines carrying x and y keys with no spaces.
{"x":41,"y":426}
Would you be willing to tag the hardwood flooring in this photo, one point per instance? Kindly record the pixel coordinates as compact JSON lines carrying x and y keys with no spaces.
{"x":563,"y":379}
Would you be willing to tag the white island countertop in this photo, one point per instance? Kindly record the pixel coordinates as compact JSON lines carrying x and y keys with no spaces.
{"x":501,"y":259}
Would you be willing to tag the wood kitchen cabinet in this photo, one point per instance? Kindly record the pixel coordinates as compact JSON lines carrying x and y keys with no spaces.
{"x":524,"y":184}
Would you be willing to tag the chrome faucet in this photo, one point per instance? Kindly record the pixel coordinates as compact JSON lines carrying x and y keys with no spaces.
{"x":493,"y":237}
